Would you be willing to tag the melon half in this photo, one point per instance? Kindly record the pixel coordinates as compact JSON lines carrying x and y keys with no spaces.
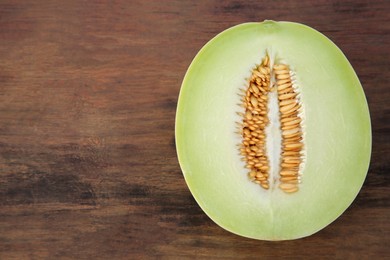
{"x":334,"y":127}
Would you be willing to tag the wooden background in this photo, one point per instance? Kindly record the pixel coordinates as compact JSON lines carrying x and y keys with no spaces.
{"x":88,"y":93}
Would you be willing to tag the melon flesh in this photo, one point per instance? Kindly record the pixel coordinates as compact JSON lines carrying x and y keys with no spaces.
{"x":337,"y":134}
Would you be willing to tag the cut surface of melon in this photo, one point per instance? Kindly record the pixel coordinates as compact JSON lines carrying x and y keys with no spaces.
{"x":337,"y":131}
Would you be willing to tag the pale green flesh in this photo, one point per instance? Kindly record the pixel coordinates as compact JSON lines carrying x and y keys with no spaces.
{"x":337,"y":132}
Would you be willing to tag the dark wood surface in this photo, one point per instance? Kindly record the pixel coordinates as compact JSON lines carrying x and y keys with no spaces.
{"x":88,"y":93}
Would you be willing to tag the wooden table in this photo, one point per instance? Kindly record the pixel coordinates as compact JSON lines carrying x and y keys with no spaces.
{"x":88,"y":93}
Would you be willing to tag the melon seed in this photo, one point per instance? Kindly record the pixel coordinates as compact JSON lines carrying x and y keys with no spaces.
{"x":255,"y":120}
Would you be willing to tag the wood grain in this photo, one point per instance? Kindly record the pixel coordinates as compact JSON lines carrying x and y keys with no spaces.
{"x":88,"y":92}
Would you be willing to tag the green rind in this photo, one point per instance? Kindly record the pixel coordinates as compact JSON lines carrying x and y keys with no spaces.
{"x":337,"y":123}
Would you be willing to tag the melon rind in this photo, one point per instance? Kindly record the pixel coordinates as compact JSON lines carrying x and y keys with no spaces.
{"x":336,"y":122}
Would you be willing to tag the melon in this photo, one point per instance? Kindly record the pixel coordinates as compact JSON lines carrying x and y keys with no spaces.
{"x":272,"y":130}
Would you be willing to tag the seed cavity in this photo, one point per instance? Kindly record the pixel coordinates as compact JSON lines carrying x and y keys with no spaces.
{"x":277,"y":78}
